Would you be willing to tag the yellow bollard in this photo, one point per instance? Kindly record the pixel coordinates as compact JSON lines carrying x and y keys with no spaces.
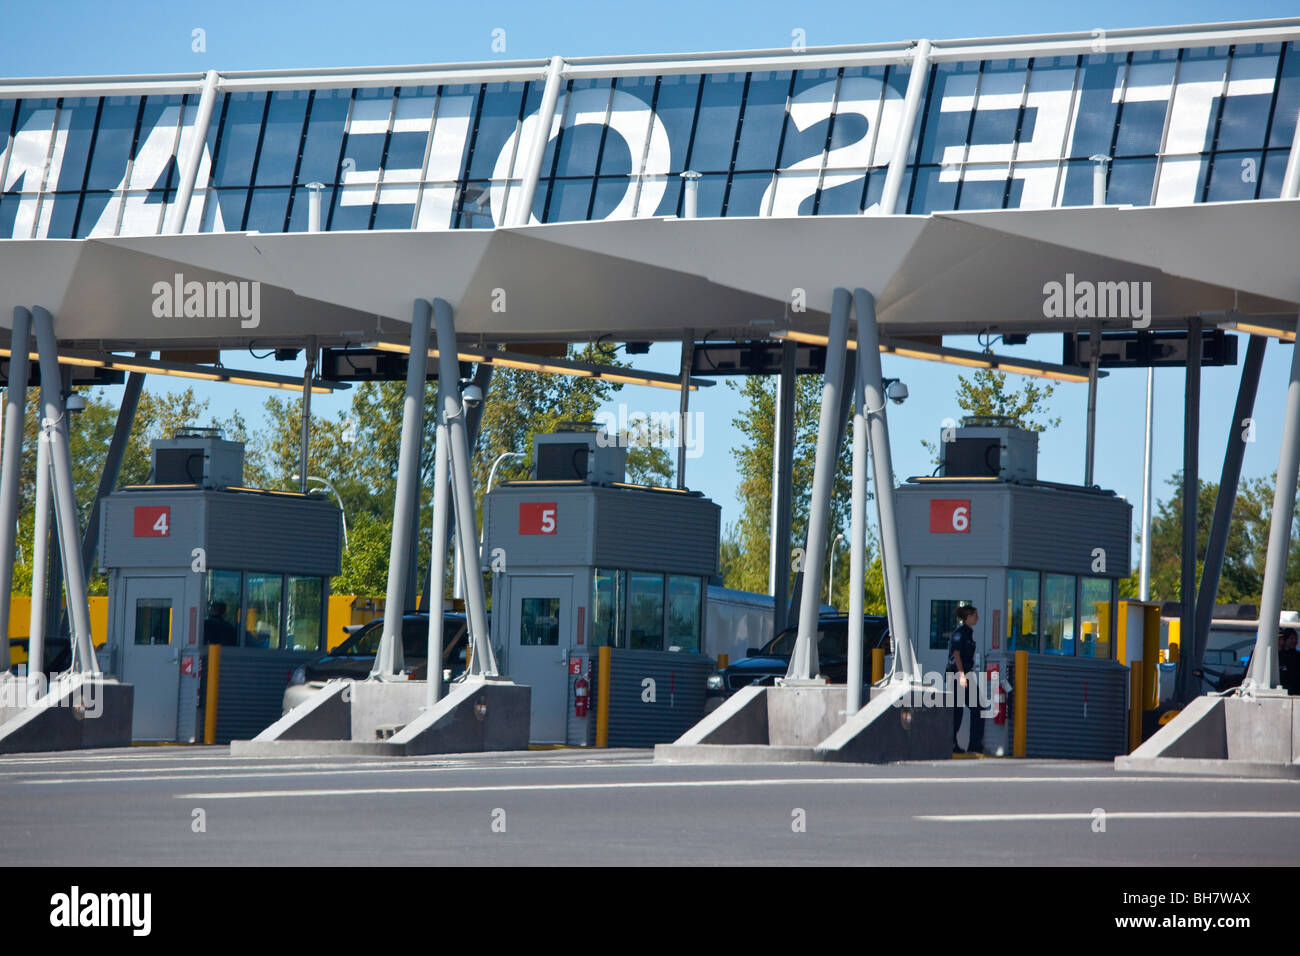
{"x":602,"y":698}
{"x":210,"y":704}
{"x":877,"y":664}
{"x":1022,"y":703}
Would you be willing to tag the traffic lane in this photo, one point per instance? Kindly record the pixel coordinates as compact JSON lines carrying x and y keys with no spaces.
{"x":874,"y":820}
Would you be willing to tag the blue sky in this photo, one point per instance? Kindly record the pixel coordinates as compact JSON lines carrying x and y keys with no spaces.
{"x":64,"y":38}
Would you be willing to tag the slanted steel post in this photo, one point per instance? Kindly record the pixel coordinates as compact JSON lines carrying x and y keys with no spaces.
{"x":40,"y":556}
{"x":857,"y":532}
{"x":11,"y":461}
{"x":189,"y":170}
{"x":1217,"y":544}
{"x":783,"y":492}
{"x":521,"y":206}
{"x":390,"y":659}
{"x":916,"y":83}
{"x":803,"y":662}
{"x":891,"y":556}
{"x":1263,"y":665}
{"x":452,"y":410}
{"x":437,"y":561}
{"x":55,"y":432}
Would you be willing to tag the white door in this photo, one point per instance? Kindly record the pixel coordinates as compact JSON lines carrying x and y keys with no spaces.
{"x":938,"y":618}
{"x":540,"y":627}
{"x":151,"y":654}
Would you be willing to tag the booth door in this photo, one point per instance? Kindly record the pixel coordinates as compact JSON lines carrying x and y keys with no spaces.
{"x":938,"y":618}
{"x":151,"y":654}
{"x":539,"y":628}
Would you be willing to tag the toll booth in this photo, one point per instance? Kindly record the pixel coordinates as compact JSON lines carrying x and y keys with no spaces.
{"x":582,"y":561}
{"x":202,"y":572}
{"x":1041,"y":561}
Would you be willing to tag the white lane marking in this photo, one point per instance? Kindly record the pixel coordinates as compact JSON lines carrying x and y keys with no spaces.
{"x":1115,"y":815}
{"x":327,"y":772}
{"x":656,"y":784}
{"x":257,"y":768}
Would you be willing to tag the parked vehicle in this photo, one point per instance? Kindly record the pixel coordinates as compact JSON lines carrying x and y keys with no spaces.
{"x":763,"y":665}
{"x":355,"y":657}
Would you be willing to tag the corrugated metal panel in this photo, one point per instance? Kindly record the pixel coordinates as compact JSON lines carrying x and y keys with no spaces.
{"x":679,"y":696}
{"x":1078,"y":708}
{"x":1056,"y":530}
{"x":656,"y":531}
{"x":569,"y":544}
{"x":984,"y":544}
{"x":238,"y":531}
{"x":252,"y":683}
{"x":269,"y":533}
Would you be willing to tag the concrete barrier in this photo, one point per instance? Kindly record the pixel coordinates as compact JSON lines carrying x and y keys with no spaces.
{"x":74,"y":713}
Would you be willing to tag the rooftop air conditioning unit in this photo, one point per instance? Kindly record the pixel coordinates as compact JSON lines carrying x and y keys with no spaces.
{"x":579,"y":453}
{"x":990,"y":447}
{"x":198,"y":456}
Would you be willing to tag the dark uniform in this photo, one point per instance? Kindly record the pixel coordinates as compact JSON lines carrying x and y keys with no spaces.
{"x":962,"y":646}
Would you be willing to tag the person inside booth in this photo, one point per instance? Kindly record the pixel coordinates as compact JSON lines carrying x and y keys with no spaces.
{"x":216,"y":629}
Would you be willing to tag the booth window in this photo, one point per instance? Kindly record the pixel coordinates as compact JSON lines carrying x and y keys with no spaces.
{"x":607,"y":607}
{"x":303,"y":616}
{"x":153,"y":621}
{"x":262,"y":610}
{"x":1022,"y":611}
{"x":645,"y":594}
{"x":943,"y":621}
{"x":1095,"y":607}
{"x":539,"y":622}
{"x":1058,"y":614}
{"x":684,"y":612}
{"x":224,"y":600}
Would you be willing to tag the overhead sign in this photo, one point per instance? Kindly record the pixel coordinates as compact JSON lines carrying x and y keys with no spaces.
{"x":1148,"y":349}
{"x":537,"y":517}
{"x":152,"y":521}
{"x":949,"y":516}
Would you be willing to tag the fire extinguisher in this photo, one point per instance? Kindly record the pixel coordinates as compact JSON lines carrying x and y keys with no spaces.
{"x":580,"y":697}
{"x":997,"y":691}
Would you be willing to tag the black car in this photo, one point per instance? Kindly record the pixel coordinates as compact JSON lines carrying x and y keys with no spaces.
{"x":763,"y":665}
{"x":355,"y":657}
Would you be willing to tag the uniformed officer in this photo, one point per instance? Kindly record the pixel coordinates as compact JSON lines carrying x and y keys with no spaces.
{"x":961,"y":661}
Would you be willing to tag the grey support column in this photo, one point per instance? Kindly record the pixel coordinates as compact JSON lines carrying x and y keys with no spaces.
{"x":40,"y":556}
{"x":304,"y":438}
{"x":857,"y":532}
{"x":688,"y":358}
{"x":65,"y":497}
{"x":189,"y":170}
{"x":390,"y":659}
{"x":1263,"y":666}
{"x":916,"y":84}
{"x":1090,"y":439}
{"x":113,"y":462}
{"x":521,"y":206}
{"x":11,"y":462}
{"x":1235,"y":450}
{"x":803,"y":662}
{"x":783,"y":492}
{"x":437,"y":562}
{"x":452,"y":412}
{"x":891,"y":558}
{"x":1187,"y":684}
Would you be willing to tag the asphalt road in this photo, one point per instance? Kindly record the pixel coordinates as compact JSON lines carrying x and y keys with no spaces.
{"x":200,"y":806}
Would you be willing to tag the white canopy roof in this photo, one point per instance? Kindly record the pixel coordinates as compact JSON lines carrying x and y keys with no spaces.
{"x":949,"y":273}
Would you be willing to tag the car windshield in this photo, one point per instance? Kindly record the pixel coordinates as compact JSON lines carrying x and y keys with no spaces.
{"x":415,"y":638}
{"x":832,"y":638}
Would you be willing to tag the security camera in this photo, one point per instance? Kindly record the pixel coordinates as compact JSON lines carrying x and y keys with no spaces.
{"x":75,"y":403}
{"x":896,"y":393}
{"x":472,"y":395}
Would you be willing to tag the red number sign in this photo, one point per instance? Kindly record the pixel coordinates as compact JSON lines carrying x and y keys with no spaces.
{"x":153,"y":521}
{"x":949,"y":516}
{"x":537,"y":517}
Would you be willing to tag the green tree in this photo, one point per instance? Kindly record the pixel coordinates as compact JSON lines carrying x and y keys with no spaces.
{"x":985,"y":393}
{"x":746,"y":544}
{"x":1242,"y":578}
